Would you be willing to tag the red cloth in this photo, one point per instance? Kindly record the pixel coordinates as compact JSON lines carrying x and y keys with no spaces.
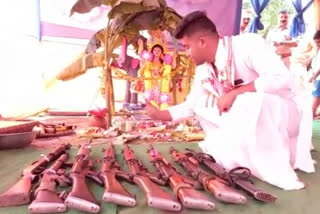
{"x":99,"y":112}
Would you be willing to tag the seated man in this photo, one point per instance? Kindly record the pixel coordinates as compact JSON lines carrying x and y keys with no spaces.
{"x":245,"y":100}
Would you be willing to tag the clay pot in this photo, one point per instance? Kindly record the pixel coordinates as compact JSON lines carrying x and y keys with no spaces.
{"x":100,"y":122}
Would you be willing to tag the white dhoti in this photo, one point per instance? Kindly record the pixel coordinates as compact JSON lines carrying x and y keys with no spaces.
{"x":268,"y":131}
{"x":261,"y":132}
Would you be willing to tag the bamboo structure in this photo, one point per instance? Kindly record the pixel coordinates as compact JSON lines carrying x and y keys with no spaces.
{"x":317,"y":13}
{"x":124,"y":18}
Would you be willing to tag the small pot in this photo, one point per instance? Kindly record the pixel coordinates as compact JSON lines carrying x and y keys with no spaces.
{"x":100,"y":122}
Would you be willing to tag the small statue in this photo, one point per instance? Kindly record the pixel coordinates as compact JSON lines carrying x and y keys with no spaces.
{"x":156,"y":69}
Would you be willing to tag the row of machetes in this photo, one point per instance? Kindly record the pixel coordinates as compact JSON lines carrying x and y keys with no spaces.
{"x":222,"y":184}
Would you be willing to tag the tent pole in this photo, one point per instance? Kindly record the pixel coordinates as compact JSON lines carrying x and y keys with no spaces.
{"x":108,"y":81}
{"x":317,"y":13}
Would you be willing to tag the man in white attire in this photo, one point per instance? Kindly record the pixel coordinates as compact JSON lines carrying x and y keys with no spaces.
{"x":245,"y":100}
{"x":280,"y":38}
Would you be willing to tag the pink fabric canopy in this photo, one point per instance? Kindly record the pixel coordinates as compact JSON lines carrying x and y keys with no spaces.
{"x":54,"y":20}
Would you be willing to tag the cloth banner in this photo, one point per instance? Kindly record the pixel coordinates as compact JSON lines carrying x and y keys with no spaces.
{"x":224,"y":13}
{"x":56,"y":20}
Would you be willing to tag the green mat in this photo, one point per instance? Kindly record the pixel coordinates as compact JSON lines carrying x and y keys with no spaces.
{"x":304,"y":201}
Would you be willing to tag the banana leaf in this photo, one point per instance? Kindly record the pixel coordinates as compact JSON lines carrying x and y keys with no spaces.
{"x":126,"y":17}
{"x":163,"y":3}
{"x":110,"y":3}
{"x":146,"y":20}
{"x":118,"y":2}
{"x":80,"y":66}
{"x":151,"y":3}
{"x":125,"y":8}
{"x":85,"y":6}
{"x":145,"y":3}
{"x":94,"y":42}
{"x":170,"y":19}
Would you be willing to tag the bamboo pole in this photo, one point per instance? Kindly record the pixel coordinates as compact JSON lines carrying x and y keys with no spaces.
{"x":174,"y":91}
{"x":111,"y":35}
{"x":107,"y":71}
{"x":317,"y":13}
{"x":189,"y":76}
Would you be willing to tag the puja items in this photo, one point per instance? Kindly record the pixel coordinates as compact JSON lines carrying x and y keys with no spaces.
{"x":188,"y":133}
{"x":98,"y":118}
{"x":153,"y":125}
{"x":51,"y":130}
{"x":94,"y":132}
{"x":126,"y":125}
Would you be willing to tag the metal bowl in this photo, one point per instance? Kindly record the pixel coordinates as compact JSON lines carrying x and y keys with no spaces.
{"x":16,"y":140}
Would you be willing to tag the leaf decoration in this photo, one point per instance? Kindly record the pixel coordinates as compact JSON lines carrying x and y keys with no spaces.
{"x":94,"y":43}
{"x":145,"y":20}
{"x":110,"y":3}
{"x":126,"y":17}
{"x":80,"y":66}
{"x":163,"y":3}
{"x":118,"y":2}
{"x":125,"y":8}
{"x":170,"y":19}
{"x":85,"y":6}
{"x":151,"y":3}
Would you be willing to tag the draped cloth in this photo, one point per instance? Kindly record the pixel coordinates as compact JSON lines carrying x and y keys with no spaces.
{"x":258,"y":6}
{"x":298,"y":26}
{"x":264,"y":130}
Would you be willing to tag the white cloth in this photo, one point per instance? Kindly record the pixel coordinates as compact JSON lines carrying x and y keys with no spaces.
{"x":261,"y":130}
{"x":278,"y":35}
{"x":315,"y":64}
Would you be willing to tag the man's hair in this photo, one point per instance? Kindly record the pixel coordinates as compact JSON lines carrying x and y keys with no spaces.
{"x":316,"y":35}
{"x":283,"y":11}
{"x":194,"y":22}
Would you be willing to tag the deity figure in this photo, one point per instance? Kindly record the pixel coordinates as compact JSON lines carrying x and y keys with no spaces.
{"x":156,"y":67}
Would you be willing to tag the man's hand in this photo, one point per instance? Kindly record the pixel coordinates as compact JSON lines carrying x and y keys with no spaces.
{"x":276,"y":44}
{"x":225,"y":102}
{"x":156,"y":114}
{"x":312,"y":79}
{"x":151,"y":110}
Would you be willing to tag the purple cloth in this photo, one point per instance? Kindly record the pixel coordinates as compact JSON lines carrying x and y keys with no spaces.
{"x":224,"y":13}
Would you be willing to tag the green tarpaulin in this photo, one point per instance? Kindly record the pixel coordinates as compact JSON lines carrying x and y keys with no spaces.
{"x":304,"y":201}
